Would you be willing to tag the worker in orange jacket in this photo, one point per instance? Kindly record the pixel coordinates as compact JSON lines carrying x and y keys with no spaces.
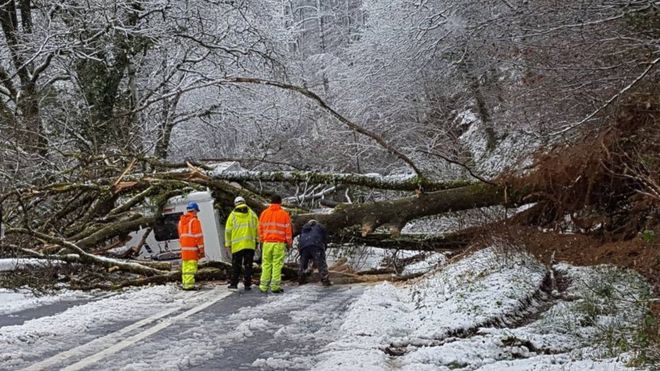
{"x":276,"y":236}
{"x":191,"y":241}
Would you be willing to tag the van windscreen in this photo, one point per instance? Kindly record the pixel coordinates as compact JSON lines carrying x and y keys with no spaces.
{"x":165,"y":227}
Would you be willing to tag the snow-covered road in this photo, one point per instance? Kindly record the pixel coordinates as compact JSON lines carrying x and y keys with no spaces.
{"x":492,"y":310}
{"x":163,"y":328}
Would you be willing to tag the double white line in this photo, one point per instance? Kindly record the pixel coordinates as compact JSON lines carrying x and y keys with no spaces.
{"x":118,"y":340}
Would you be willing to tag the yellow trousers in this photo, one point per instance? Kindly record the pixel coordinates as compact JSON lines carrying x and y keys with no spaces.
{"x":188,"y":270}
{"x":272,"y":261}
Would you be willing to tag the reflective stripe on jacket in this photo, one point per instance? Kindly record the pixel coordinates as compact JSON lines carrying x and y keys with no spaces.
{"x":191,"y":238}
{"x":275,"y":225}
{"x":241,"y":229}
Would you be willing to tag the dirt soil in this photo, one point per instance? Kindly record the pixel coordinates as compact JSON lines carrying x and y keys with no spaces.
{"x":642,"y":256}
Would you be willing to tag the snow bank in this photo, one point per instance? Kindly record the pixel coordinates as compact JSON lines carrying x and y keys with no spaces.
{"x":488,"y":312}
{"x":477,"y":290}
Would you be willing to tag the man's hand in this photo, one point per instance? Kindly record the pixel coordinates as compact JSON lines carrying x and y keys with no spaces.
{"x":201,"y":252}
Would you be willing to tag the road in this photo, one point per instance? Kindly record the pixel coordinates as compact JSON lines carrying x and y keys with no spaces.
{"x":211,"y":329}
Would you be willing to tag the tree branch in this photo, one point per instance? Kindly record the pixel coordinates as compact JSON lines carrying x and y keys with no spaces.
{"x":377,"y":138}
{"x":87,"y":257}
{"x":609,"y":101}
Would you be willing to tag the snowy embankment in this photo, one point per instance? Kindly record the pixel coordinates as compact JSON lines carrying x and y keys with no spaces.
{"x":490,"y":310}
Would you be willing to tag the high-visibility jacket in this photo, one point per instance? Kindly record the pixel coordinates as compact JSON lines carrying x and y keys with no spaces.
{"x":241,"y":229}
{"x":191,"y":238}
{"x":275,"y":225}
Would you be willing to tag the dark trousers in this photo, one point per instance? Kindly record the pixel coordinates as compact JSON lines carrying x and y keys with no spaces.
{"x":242,"y":258}
{"x":317,"y":255}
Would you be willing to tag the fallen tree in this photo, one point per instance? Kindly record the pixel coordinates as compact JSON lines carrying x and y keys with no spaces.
{"x":596,"y":183}
{"x":446,"y":242}
{"x":396,"y":213}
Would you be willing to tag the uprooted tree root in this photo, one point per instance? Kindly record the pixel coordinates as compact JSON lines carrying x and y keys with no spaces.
{"x":609,"y":183}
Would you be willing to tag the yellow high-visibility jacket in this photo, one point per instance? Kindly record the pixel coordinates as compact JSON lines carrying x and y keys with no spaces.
{"x":241,"y":229}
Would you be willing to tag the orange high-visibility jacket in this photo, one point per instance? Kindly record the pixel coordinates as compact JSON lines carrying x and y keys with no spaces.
{"x":275,"y":225}
{"x":190,"y":236}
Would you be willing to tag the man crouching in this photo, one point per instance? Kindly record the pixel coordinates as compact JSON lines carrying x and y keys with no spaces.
{"x":312,"y":244}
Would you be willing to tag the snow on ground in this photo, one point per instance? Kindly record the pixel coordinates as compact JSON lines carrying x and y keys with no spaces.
{"x":363,"y":258}
{"x":468,"y":315}
{"x":247,"y":331}
{"x":491,"y":310}
{"x":14,"y":301}
{"x":358,"y":257}
{"x":471,"y":292}
{"x":42,"y":336}
{"x":430,"y":262}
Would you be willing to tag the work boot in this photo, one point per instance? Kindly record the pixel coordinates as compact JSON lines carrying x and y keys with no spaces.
{"x":232,"y":287}
{"x":278,"y":291}
{"x":326,"y":283}
{"x":302,"y":280}
{"x":247,"y":287}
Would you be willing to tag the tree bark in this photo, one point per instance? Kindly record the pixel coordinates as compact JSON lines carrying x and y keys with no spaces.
{"x":449,"y":242}
{"x":395,"y":214}
{"x":366,"y":180}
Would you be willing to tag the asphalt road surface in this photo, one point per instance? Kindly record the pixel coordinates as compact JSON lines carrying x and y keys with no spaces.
{"x":213,"y":329}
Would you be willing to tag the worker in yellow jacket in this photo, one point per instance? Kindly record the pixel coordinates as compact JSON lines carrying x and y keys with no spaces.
{"x":241,"y":231}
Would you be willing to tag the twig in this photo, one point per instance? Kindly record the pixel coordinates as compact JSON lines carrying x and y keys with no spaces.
{"x":478,"y":177}
{"x":609,"y":101}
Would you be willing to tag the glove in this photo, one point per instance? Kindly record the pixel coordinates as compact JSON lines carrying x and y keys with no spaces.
{"x":201,"y":252}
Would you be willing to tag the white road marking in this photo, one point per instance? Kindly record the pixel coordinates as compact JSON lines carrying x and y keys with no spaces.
{"x":104,"y":341}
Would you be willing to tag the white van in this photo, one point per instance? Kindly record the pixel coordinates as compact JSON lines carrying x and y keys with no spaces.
{"x":162,"y":243}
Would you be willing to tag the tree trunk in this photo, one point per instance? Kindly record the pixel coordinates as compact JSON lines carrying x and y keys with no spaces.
{"x":448,"y":242}
{"x":365,"y":180}
{"x":395,"y":214}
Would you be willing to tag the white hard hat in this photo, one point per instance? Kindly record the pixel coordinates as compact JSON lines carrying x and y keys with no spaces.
{"x":239,"y":200}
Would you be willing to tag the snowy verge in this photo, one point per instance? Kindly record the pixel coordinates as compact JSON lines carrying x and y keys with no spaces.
{"x":491,"y":310}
